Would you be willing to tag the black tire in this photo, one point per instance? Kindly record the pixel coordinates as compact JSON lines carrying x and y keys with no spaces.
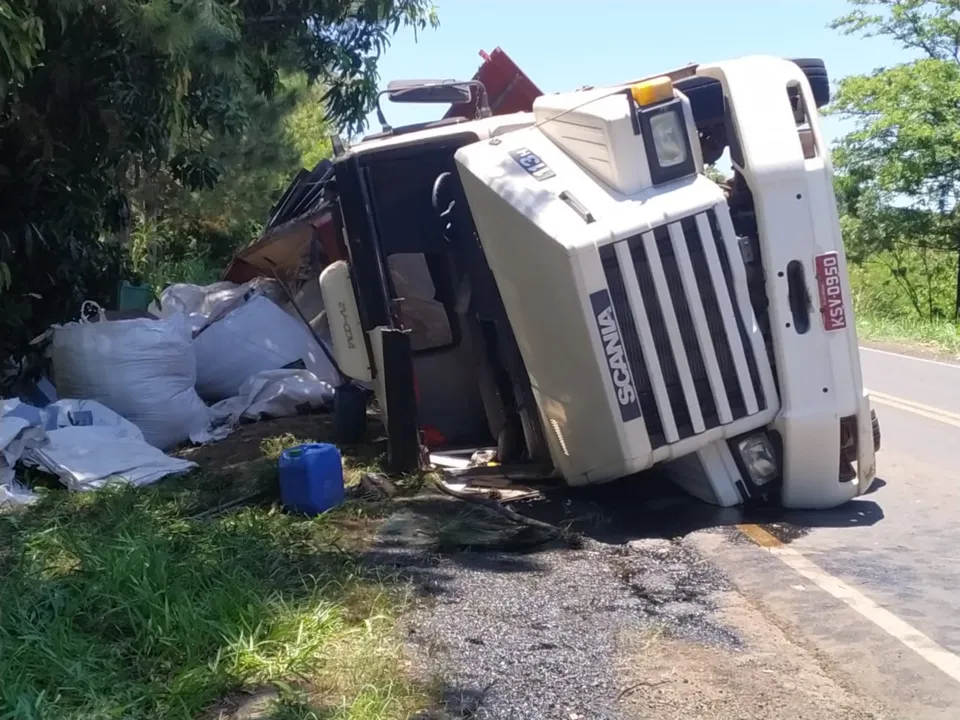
{"x":816,"y":72}
{"x":876,"y":430}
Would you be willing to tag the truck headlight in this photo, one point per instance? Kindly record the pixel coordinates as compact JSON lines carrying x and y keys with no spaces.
{"x":668,"y":141}
{"x":759,"y":458}
{"x":665,"y":140}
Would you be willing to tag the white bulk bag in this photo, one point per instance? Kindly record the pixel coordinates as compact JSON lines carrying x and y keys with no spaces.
{"x":254,"y":337}
{"x":143,"y":369}
{"x":206,"y":304}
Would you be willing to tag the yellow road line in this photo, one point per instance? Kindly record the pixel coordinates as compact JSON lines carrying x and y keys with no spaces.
{"x":932,"y":413}
{"x":760,"y":536}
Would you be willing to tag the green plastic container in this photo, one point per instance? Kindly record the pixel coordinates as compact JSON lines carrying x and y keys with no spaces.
{"x":134,"y":297}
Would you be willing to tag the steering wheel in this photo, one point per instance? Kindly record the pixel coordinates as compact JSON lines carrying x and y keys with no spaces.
{"x":438,"y":186}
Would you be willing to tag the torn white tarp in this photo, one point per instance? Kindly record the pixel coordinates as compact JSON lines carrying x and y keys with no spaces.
{"x":275,"y":393}
{"x":85,"y":458}
{"x":83,"y":442}
{"x":15,"y":433}
{"x":13,"y":493}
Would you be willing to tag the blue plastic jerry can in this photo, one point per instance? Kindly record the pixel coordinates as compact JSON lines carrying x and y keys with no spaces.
{"x":311,"y":478}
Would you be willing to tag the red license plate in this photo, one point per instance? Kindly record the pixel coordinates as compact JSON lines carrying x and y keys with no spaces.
{"x":830,"y":284}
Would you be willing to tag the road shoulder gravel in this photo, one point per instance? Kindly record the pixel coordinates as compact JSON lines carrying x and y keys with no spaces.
{"x":646,"y":629}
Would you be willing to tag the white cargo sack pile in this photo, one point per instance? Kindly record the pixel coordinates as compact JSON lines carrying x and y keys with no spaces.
{"x":253,"y":338}
{"x":142,"y":369}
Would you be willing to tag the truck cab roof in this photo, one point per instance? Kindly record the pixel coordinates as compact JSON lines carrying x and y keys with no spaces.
{"x":430,"y":131}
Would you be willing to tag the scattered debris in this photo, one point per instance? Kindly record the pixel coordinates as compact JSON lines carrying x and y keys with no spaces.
{"x":446,"y":525}
{"x":492,"y":482}
{"x":488,"y":488}
{"x":236,"y":504}
{"x":514,"y":517}
{"x":377,"y":486}
{"x":483,"y":457}
{"x":260,"y":705}
{"x":513,"y":473}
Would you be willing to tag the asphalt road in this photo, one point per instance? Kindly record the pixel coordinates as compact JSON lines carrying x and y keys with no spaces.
{"x":875,"y":586}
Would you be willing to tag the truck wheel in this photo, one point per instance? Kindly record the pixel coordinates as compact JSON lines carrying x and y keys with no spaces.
{"x":876,"y":430}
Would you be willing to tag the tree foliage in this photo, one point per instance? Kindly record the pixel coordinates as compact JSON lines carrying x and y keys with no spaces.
{"x":111,"y":108}
{"x":184,"y":234}
{"x":898,"y":171}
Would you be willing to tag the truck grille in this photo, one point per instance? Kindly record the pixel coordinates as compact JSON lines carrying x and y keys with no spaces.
{"x":683,"y":329}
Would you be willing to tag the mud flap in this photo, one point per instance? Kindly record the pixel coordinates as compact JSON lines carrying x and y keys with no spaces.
{"x":403,"y":432}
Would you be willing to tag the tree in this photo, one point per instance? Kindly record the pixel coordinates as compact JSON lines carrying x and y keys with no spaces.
{"x":898,"y":171}
{"x":714,"y":174}
{"x":181,"y":234}
{"x":101,"y":100}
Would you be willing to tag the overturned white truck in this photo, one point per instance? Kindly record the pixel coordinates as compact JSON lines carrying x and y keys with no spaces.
{"x":569,"y":286}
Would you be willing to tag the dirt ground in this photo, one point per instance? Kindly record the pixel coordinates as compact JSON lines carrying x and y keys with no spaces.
{"x":641,"y":630}
{"x":243,"y":445}
{"x":647,"y":630}
{"x":769,"y":676}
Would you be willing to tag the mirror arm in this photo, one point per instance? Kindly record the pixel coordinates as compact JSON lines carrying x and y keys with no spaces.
{"x":384,"y":127}
{"x":483,"y":104}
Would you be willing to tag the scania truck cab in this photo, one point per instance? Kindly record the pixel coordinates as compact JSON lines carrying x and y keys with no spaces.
{"x":569,"y":286}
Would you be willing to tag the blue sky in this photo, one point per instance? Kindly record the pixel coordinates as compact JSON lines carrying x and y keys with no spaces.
{"x":565,"y":44}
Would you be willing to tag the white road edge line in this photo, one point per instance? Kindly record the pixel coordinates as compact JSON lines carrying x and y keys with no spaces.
{"x":911,"y":357}
{"x":928,"y":649}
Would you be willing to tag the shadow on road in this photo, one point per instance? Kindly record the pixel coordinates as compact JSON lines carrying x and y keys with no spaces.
{"x":650,"y":506}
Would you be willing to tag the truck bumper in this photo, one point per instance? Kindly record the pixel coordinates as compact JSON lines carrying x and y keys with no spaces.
{"x":811,"y":463}
{"x":866,"y":452}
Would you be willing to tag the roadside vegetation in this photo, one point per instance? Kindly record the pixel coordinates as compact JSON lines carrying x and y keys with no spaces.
{"x":898,"y":174}
{"x":147,"y":603}
{"x":146,"y":140}
{"x":885,"y":314}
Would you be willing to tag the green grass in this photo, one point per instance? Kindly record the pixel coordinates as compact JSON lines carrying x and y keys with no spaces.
{"x":190,"y":270}
{"x":887,"y":302}
{"x":121,"y":604}
{"x":942,"y":338}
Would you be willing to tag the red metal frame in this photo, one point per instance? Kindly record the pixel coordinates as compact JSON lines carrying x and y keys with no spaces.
{"x":509,"y":90}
